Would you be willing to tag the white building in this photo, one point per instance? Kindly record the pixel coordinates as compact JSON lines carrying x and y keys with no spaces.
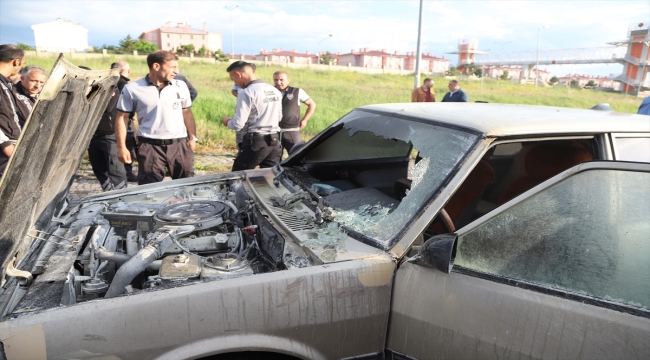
{"x":60,"y":36}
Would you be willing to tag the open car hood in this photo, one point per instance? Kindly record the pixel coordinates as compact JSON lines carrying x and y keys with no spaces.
{"x":48,"y":153}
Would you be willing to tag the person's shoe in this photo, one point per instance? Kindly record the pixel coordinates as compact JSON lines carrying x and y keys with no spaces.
{"x":131,"y":178}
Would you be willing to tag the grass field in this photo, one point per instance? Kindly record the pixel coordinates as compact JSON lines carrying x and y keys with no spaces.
{"x":338,"y":92}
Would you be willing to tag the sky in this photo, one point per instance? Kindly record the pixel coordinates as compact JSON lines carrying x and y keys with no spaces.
{"x":499,"y":26}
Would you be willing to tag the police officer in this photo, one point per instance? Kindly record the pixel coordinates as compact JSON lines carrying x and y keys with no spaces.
{"x":257,"y":115}
{"x":11,"y":60}
{"x":167,"y":131}
{"x":292,"y":97}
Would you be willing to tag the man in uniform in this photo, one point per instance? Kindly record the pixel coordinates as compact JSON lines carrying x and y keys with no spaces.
{"x":11,"y":60}
{"x":166,"y":132}
{"x":424,"y":92}
{"x":455,"y":94}
{"x":31,"y":82}
{"x":292,"y":97}
{"x":125,"y":73}
{"x":102,"y":151}
{"x":257,"y":115}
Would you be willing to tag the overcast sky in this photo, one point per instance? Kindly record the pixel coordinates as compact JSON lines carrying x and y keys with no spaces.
{"x":391,"y":25}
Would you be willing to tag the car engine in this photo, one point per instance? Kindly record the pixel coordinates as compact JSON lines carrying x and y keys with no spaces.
{"x":172,"y":237}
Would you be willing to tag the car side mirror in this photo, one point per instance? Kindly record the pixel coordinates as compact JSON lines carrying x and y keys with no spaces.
{"x":439,"y":252}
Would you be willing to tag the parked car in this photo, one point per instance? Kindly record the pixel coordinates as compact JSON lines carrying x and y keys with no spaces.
{"x":442,"y":230}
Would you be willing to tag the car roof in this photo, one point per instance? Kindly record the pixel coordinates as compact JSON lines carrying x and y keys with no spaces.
{"x":503,"y":120}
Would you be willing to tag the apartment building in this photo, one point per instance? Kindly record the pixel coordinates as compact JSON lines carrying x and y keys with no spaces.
{"x":170,"y":37}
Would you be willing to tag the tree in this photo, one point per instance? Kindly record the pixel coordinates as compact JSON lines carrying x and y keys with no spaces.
{"x":554,"y":80}
{"x":452,"y":71}
{"x":504,"y":76}
{"x":25,"y":47}
{"x":575,"y":84}
{"x":326,"y":58}
{"x":478,"y":72}
{"x":127,"y":44}
{"x":202,"y":51}
{"x":185,"y":49}
{"x":590,"y":84}
{"x":144,"y":47}
{"x":220,"y":56}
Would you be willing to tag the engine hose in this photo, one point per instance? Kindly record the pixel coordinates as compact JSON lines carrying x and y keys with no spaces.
{"x":161,"y":240}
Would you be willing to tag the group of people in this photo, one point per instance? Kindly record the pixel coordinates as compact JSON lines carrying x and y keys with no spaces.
{"x":425,"y":92}
{"x":267,"y":118}
{"x":19,"y":89}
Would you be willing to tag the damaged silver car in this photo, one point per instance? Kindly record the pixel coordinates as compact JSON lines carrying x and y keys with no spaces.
{"x":401,"y":231}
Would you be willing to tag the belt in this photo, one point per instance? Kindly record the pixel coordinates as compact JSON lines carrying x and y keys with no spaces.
{"x":290,"y":129}
{"x":258,"y":135}
{"x":142,"y":139}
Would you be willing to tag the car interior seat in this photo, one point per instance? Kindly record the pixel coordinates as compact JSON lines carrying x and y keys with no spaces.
{"x":544,"y":161}
{"x":462,"y":204}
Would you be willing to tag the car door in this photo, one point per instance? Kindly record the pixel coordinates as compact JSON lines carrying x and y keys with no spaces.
{"x":561,"y":271}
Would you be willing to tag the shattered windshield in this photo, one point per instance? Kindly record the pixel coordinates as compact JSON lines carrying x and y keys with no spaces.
{"x":376,"y":172}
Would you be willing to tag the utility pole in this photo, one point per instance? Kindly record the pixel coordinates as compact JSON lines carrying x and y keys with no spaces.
{"x":232,"y":32}
{"x":327,"y":37}
{"x":419,"y":53}
{"x":539,"y":34}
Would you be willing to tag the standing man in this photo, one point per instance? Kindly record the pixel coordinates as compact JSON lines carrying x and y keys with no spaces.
{"x":102,"y":151}
{"x":125,"y":73}
{"x":292,"y":97}
{"x":455,"y":93}
{"x":257,"y":115}
{"x":166,"y":132}
{"x":31,"y":82}
{"x":424,"y":93}
{"x":11,"y":60}
{"x":190,"y":87}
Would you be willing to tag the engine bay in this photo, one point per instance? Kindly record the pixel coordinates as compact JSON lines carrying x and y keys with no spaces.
{"x":170,"y":237}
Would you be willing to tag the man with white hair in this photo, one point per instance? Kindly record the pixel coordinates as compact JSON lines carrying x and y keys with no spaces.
{"x":31,"y":82}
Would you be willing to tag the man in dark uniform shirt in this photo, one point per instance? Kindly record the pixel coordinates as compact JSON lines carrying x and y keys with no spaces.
{"x":102,"y":151}
{"x":11,"y":60}
{"x":31,"y":82}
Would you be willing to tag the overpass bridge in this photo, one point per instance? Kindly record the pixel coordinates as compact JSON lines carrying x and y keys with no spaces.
{"x":632,"y":53}
{"x":599,"y":55}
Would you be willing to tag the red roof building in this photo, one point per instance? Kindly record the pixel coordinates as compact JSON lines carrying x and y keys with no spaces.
{"x":171,"y":38}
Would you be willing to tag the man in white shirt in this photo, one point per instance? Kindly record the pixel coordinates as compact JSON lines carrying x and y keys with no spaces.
{"x":166,"y":132}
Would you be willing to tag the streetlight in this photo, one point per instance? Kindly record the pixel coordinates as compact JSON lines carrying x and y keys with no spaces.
{"x":326,"y":37}
{"x":539,"y":34}
{"x":232,"y":33}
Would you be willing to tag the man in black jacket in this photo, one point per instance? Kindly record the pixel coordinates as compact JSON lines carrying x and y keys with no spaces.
{"x":31,"y":82}
{"x":291,"y":123}
{"x":11,"y":60}
{"x":455,"y":94}
{"x":102,"y":151}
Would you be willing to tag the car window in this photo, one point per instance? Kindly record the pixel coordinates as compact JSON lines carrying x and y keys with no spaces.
{"x":588,"y":234}
{"x":362,"y":202}
{"x":633,"y":149}
{"x":364,"y":146}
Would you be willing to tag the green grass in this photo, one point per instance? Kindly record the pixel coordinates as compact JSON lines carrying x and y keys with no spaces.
{"x":338,"y":92}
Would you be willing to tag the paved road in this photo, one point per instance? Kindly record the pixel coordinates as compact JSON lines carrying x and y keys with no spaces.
{"x":85,"y":182}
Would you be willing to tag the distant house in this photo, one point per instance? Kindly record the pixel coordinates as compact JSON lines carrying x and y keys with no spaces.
{"x":382,"y":59}
{"x":60,"y":36}
{"x":171,"y":38}
{"x":603,"y":82}
{"x":496,"y":72}
{"x":372,"y":59}
{"x":429,"y":64}
{"x":290,"y":56}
